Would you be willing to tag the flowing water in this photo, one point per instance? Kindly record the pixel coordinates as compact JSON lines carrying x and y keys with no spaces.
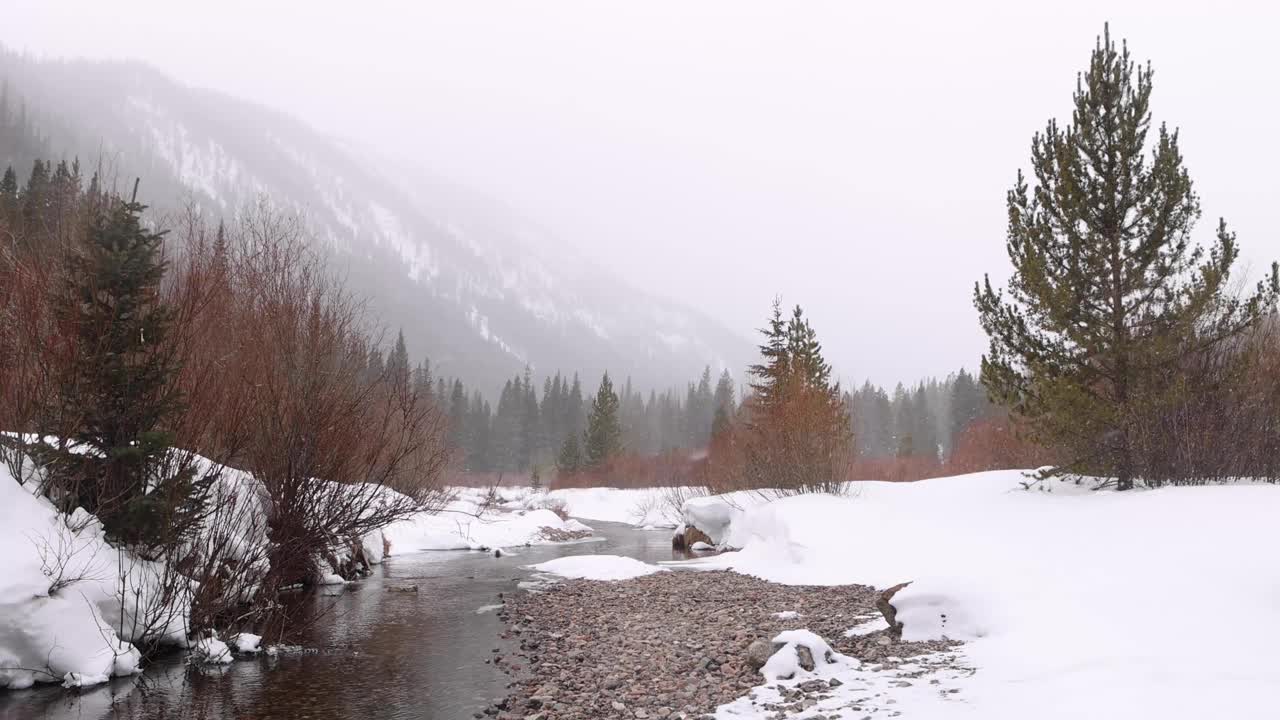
{"x":377,"y":650}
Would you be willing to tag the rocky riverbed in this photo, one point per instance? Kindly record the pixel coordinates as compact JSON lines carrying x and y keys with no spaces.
{"x":673,"y":644}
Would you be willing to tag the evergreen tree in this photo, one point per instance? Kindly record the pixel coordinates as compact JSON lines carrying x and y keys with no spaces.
{"x":458,"y":416}
{"x":1108,"y":292}
{"x":9,"y":207}
{"x":398,"y":362}
{"x":121,"y":394}
{"x":722,"y":401}
{"x":530,"y":435}
{"x":799,"y":431}
{"x":569,"y":460}
{"x":968,"y":402}
{"x":603,"y":438}
{"x":35,"y":201}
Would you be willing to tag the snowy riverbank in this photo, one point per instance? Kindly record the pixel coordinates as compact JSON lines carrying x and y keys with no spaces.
{"x":1071,"y":603}
{"x":74,"y":609}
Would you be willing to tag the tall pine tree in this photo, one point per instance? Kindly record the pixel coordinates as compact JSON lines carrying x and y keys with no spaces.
{"x":603,"y":438}
{"x":1108,"y":292}
{"x":120,"y":397}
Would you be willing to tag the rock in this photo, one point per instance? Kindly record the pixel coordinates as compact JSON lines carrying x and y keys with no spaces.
{"x":613,"y":682}
{"x":618,"y":706}
{"x":834,"y":682}
{"x":758,"y":653}
{"x":690,"y":537}
{"x":805,"y":656}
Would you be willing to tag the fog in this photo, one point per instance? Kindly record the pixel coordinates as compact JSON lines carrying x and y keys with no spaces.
{"x":854,"y":161}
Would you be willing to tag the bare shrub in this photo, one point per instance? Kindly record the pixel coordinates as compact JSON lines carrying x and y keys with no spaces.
{"x":338,"y":451}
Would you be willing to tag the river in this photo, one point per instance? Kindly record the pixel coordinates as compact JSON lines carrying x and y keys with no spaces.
{"x":378,"y":650}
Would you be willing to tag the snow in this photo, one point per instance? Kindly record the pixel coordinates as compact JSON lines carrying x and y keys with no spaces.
{"x":211,"y":651}
{"x":787,"y":615}
{"x":871,"y":625}
{"x":597,"y":567}
{"x":784,"y":664}
{"x":62,"y":617}
{"x":467,"y":524}
{"x":1072,"y":603}
{"x":644,"y":507}
{"x":246,"y":642}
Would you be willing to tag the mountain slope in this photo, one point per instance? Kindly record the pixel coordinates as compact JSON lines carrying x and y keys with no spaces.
{"x":479,"y":289}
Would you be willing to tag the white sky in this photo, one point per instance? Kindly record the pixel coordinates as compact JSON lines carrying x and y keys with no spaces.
{"x":849,"y":159}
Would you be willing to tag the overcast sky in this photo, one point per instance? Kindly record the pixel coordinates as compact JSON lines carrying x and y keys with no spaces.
{"x":853,"y":160}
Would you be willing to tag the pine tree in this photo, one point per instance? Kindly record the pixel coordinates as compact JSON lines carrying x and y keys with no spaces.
{"x":458,"y":416}
{"x":120,"y":396}
{"x":397,"y":369}
{"x":9,"y":207}
{"x":1108,"y":292}
{"x":799,"y":431}
{"x":968,"y":402}
{"x":35,"y":201}
{"x":722,"y":401}
{"x":569,"y":460}
{"x":603,"y":438}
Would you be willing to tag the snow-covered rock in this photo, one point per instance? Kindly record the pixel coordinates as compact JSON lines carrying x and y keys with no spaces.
{"x":246,"y":642}
{"x":712,"y":515}
{"x":802,"y":651}
{"x":210,"y":651}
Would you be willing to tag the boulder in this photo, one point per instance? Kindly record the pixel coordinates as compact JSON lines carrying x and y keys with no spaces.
{"x":759,"y":652}
{"x":805,"y":656}
{"x":686,"y":536}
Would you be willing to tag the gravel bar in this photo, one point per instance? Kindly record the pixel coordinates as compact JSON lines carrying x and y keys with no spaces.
{"x":667,"y":645}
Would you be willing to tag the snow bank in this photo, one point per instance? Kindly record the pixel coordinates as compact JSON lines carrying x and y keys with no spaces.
{"x":597,"y":567}
{"x":457,"y":527}
{"x":645,"y":507}
{"x":62,"y":618}
{"x":1161,"y":603}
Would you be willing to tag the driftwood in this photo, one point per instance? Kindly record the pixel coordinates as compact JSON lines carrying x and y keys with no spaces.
{"x":890,"y":613}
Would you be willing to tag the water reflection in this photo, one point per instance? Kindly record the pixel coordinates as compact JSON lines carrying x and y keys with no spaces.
{"x":377,"y":650}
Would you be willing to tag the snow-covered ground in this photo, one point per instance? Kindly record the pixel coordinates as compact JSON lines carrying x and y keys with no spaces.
{"x":597,"y":567}
{"x":516,"y":517}
{"x":1071,"y":603}
{"x":61,"y":614}
{"x":643,"y":507}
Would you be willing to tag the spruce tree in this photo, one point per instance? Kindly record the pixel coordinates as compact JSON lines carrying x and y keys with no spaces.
{"x":603,"y":438}
{"x":398,"y":363}
{"x":799,"y":431}
{"x":119,"y":398}
{"x":9,"y":208}
{"x":1108,"y":292}
{"x":569,"y":460}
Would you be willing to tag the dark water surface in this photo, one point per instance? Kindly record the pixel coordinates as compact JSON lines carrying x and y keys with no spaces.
{"x":375,"y":653}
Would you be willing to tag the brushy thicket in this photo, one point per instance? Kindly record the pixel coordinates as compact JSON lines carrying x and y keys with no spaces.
{"x":147,"y":361}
